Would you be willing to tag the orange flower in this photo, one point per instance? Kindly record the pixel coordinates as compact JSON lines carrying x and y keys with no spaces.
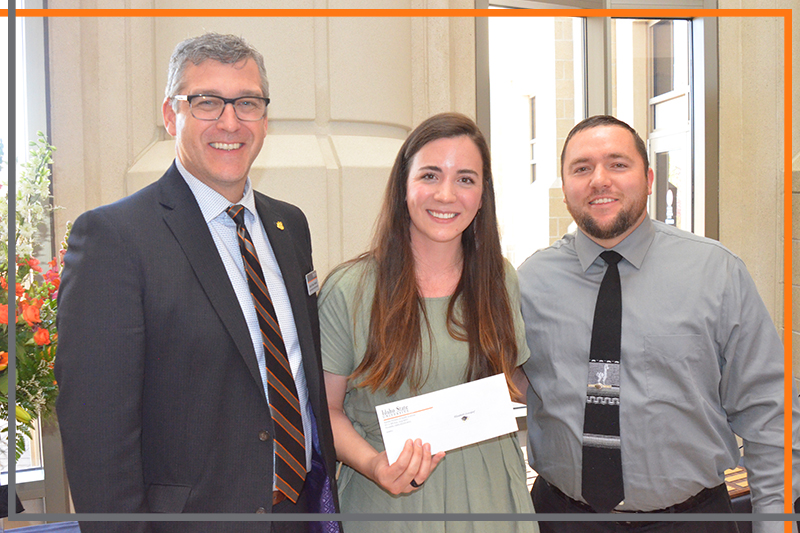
{"x":34,"y":264}
{"x":3,"y":314}
{"x":52,"y":263}
{"x":3,"y":361}
{"x":36,"y":302}
{"x":41,"y":337}
{"x":31,"y":315}
{"x":3,"y":283}
{"x":20,"y":290}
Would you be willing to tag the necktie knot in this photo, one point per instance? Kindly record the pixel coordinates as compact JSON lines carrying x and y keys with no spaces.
{"x":611,"y":257}
{"x":236,"y":212}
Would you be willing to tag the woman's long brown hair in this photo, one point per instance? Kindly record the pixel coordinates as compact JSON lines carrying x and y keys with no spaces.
{"x":393,"y":353}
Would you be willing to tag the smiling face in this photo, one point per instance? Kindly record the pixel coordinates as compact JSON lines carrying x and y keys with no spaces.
{"x":444,"y":188}
{"x":219,"y":152}
{"x":605,"y":183}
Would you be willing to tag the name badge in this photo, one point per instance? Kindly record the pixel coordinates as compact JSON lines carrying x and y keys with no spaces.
{"x":312,"y":282}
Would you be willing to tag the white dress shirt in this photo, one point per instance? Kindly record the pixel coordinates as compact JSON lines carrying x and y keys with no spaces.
{"x":223,"y":230}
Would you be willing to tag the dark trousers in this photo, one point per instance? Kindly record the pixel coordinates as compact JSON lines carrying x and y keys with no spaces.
{"x":548,"y":499}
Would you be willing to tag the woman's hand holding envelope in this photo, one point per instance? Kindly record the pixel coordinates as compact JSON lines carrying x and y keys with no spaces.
{"x":415,"y":463}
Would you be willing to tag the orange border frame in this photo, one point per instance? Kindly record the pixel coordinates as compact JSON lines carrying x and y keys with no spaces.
{"x":786,"y":14}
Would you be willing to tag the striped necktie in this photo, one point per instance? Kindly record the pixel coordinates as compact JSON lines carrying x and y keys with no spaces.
{"x":602,"y":486}
{"x":290,"y":470}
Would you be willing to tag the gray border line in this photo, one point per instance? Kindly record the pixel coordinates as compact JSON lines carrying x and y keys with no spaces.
{"x":11,"y":168}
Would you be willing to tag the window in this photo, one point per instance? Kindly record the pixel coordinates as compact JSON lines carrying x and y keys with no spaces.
{"x":651,"y":92}
{"x":536,"y":79}
{"x":30,"y":118}
{"x":566,"y":68}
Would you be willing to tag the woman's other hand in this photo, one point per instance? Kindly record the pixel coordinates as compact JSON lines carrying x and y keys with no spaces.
{"x":415,"y":463}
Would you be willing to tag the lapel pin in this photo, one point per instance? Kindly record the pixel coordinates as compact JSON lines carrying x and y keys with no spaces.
{"x":280,"y":225}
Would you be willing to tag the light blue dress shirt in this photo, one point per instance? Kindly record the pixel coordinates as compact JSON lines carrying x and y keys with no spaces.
{"x":223,"y":230}
{"x":700,"y":361}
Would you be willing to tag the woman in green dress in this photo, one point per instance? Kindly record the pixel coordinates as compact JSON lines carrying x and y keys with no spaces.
{"x":433,"y":304}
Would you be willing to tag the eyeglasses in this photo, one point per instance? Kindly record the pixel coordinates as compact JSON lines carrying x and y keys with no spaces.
{"x":207,"y":107}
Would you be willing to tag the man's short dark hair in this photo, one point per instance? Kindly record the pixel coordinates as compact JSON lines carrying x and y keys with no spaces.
{"x":606,"y":120}
{"x":227,"y":49}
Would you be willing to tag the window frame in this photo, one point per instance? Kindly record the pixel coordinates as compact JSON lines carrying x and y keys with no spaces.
{"x":703,"y":81}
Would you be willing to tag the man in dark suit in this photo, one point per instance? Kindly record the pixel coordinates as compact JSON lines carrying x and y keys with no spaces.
{"x":165,"y":404}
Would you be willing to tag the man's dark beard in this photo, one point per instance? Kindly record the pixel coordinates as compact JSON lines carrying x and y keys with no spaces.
{"x":624,"y":220}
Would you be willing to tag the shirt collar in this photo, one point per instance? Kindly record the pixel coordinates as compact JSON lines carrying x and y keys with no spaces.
{"x":633,"y":247}
{"x":213,"y":204}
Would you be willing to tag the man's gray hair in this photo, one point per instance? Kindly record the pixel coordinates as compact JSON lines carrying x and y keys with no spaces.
{"x":228,"y":49}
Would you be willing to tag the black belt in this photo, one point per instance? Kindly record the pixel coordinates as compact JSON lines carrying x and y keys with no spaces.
{"x":683,"y":507}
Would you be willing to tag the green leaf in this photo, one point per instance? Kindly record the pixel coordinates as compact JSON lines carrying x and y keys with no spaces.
{"x":22,"y":355}
{"x":4,"y":384}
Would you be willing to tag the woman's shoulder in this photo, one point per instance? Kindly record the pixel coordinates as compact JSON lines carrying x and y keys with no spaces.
{"x":349,"y":276}
{"x":510,"y":272}
{"x":509,"y":268}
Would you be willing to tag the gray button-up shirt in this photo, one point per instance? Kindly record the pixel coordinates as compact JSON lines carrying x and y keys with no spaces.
{"x":700,"y":360}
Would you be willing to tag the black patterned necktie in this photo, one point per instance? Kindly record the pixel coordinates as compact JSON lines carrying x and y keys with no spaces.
{"x":602,"y":486}
{"x":290,"y":443}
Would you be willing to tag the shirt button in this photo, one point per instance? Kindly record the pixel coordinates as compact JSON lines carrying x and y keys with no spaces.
{"x":263,"y":435}
{"x":261,"y":510}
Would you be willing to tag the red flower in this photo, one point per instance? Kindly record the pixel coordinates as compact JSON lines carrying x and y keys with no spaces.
{"x":34,"y":264}
{"x":41,"y":337}
{"x":31,"y":315}
{"x":51,"y":277}
{"x":20,"y":290}
{"x":3,"y":314}
{"x":3,"y":361}
{"x":3,"y":283}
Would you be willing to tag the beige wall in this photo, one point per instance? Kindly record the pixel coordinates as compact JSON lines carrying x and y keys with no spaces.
{"x":796,"y":192}
{"x":345,"y":93}
{"x":751,"y":148}
{"x":752,"y":151}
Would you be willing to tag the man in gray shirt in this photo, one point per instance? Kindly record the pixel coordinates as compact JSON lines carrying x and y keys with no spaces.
{"x":696,"y":357}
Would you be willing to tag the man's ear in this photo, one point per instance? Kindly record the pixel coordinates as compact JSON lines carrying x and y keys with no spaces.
{"x":169,"y":117}
{"x":650,"y":177}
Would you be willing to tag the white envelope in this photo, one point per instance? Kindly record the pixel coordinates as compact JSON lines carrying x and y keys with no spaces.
{"x":449,"y":418}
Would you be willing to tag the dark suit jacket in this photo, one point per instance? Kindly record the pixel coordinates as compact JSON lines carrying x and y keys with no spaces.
{"x":161,"y":404}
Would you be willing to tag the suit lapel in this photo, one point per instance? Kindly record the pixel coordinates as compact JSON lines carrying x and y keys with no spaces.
{"x":185,"y":220}
{"x":284,"y":238}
